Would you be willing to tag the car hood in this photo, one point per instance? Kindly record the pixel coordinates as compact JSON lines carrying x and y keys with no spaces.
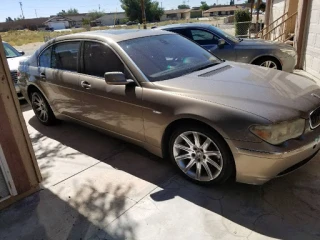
{"x":262,"y":43}
{"x":271,"y":94}
{"x":14,"y":62}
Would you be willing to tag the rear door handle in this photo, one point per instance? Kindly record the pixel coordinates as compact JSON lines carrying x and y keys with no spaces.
{"x":85,"y":85}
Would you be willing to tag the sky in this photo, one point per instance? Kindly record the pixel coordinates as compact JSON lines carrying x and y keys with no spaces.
{"x":45,"y":8}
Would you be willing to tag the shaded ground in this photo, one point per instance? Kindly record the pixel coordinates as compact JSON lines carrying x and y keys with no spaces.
{"x":97,"y":187}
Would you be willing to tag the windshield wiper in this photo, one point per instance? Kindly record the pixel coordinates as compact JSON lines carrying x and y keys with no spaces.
{"x":206,"y":66}
{"x":240,"y":39}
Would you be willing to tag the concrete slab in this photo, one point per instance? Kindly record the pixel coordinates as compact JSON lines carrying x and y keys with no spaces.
{"x":102,"y":188}
{"x":58,"y":160}
{"x":74,"y":215}
{"x":181,"y":210}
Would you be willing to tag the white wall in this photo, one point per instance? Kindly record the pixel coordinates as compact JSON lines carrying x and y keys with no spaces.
{"x":312,"y":52}
{"x":277,"y":10}
{"x":108,"y":19}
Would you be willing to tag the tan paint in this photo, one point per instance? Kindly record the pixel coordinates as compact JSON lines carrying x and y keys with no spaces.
{"x":228,"y":97}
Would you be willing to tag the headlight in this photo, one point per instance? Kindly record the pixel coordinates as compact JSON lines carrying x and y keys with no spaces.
{"x":281,"y":132}
{"x":288,"y":51}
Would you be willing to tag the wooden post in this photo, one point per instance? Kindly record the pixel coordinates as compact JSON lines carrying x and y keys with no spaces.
{"x":143,"y":12}
{"x":252,"y":5}
{"x":267,"y":14}
{"x":303,"y":6}
{"x":14,"y":139}
{"x":258,"y":10}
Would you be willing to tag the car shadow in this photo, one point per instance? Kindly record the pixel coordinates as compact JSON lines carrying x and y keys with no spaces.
{"x":285,"y":208}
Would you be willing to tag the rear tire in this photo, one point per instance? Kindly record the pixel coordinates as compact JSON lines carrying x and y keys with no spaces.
{"x":201,"y":155}
{"x":42,"y":109}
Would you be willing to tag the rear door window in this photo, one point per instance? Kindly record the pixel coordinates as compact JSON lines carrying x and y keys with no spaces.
{"x":65,"y":56}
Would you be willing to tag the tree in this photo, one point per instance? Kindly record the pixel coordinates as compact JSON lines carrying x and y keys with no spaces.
{"x":94,"y":14}
{"x":204,"y":6}
{"x":9,"y":19}
{"x":18,"y":18}
{"x":132,"y":9}
{"x":262,"y":7}
{"x":71,"y":11}
{"x":242,"y":22}
{"x":183,"y":6}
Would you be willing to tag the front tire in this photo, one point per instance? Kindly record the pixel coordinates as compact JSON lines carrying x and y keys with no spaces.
{"x":42,"y":109}
{"x":201,"y":155}
{"x":268,"y":62}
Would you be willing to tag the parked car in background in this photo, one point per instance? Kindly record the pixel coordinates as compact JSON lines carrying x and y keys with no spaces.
{"x":14,"y":57}
{"x":215,"y":120}
{"x":131,"y":23}
{"x":269,"y":54}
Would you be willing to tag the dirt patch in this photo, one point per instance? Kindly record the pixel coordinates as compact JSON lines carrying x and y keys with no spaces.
{"x":29,"y":48}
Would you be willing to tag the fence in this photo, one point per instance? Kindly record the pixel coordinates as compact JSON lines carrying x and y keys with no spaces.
{"x":241,"y":29}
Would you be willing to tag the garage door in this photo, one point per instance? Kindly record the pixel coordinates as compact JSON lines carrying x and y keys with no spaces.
{"x":57,"y":26}
{"x":312,"y":57}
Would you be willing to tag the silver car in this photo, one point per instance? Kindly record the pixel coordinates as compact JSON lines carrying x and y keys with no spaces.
{"x":268,"y":54}
{"x":14,"y":57}
{"x":215,"y":120}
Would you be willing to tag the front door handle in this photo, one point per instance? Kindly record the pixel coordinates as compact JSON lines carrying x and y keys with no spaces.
{"x":43,"y":76}
{"x":85,"y":85}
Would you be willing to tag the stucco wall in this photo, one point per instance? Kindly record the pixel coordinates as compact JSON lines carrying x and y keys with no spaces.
{"x":312,"y":51}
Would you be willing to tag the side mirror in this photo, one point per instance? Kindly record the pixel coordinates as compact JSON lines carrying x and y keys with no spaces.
{"x":21,"y":52}
{"x":115,"y":78}
{"x":221,"y":43}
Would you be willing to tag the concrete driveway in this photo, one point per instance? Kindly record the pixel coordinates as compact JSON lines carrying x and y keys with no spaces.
{"x":98,"y":187}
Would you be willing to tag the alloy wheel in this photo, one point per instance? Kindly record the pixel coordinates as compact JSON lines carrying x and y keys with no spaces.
{"x":40,"y":107}
{"x":269,"y":64}
{"x":197,"y":156}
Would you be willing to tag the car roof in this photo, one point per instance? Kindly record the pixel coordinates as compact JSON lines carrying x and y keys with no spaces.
{"x":184,"y":25}
{"x":113,"y":35}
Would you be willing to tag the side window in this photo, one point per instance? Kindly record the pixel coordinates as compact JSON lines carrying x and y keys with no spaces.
{"x":99,"y":59}
{"x":45,"y":58}
{"x":183,"y":32}
{"x":65,"y":56}
{"x":204,"y":37}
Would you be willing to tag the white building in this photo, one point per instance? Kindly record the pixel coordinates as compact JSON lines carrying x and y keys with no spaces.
{"x":112,"y":18}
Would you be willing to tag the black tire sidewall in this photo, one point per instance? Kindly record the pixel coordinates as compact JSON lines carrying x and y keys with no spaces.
{"x":228,"y":169}
{"x":51,"y":118}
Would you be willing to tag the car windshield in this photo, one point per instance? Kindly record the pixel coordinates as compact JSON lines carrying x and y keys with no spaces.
{"x":167,"y":56}
{"x":10,"y":51}
{"x":225,"y":35}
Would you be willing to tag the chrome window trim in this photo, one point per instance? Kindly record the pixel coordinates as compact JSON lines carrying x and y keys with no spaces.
{"x":92,"y":40}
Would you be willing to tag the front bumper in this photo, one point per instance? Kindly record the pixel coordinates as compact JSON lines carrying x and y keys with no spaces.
{"x":18,"y":91}
{"x":288,"y":63}
{"x":255,"y":166}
